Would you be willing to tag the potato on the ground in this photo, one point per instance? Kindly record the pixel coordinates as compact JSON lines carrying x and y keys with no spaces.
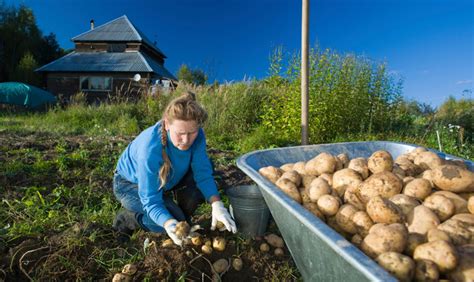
{"x":464,"y":271}
{"x":436,"y":234}
{"x":428,"y":160}
{"x":220,"y":265}
{"x":274,"y":240}
{"x":404,"y":202}
{"x":421,"y":219}
{"x":360,"y":165}
{"x":380,"y":161}
{"x":460,"y":230}
{"x":322,"y":163}
{"x":384,"y":238}
{"x":413,"y":241}
{"x":271,"y":173}
{"x":453,"y":178}
{"x":418,"y":188}
{"x":344,"y":178}
{"x":289,"y":188}
{"x":237,"y":264}
{"x":442,"y":253}
{"x":318,"y":188}
{"x":313,"y":208}
{"x":384,"y":184}
{"x":400,"y":266}
{"x":426,"y":270}
{"x":129,"y":269}
{"x":441,"y":206}
{"x":328,"y":205}
{"x":279,"y":252}
{"x":219,"y":243}
{"x":293,"y":176}
{"x":362,"y":222}
{"x":459,"y":203}
{"x":299,"y":167}
{"x":264,"y":247}
{"x":382,"y":210}
{"x":344,"y":218}
{"x":121,"y":277}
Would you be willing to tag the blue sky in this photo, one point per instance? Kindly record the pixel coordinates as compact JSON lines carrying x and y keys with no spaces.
{"x":429,"y":43}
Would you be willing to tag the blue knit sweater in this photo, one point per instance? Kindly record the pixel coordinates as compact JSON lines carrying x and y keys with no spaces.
{"x":142,"y":159}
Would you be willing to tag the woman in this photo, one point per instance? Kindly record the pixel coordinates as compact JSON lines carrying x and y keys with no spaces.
{"x":168,"y":160}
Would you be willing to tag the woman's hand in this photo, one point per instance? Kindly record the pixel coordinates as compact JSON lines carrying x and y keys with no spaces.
{"x":220,"y":213}
{"x":170,"y":227}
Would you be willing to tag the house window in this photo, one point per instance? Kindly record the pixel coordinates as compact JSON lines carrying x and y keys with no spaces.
{"x":96,"y":83}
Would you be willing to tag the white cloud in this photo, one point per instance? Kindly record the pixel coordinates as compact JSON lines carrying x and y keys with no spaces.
{"x":467,"y":81}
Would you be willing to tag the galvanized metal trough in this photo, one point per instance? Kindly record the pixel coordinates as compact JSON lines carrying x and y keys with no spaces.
{"x":320,"y":253}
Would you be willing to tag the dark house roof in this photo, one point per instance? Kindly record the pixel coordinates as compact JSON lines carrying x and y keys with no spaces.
{"x":106,"y":62}
{"x":118,"y":30}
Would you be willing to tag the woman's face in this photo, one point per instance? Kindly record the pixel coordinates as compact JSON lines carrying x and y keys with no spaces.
{"x":182,"y":133}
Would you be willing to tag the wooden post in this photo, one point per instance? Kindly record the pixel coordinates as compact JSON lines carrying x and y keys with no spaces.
{"x":304,"y":71}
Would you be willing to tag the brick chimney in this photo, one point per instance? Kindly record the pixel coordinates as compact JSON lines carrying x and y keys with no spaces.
{"x":92,"y":24}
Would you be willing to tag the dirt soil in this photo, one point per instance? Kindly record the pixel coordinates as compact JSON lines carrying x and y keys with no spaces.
{"x":92,"y":250}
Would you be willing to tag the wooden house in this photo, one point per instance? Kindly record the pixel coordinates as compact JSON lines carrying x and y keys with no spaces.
{"x":108,"y":59}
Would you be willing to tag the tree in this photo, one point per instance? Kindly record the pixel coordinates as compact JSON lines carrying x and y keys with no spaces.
{"x":22,"y":42}
{"x":196,"y":76}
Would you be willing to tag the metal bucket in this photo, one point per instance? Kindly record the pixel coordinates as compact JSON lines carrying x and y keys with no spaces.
{"x":249,"y":209}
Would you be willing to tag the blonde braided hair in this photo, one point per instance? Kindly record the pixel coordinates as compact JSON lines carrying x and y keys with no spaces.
{"x":186,"y":108}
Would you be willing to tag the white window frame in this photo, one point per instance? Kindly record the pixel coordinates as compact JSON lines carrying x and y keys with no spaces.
{"x":82,"y":78}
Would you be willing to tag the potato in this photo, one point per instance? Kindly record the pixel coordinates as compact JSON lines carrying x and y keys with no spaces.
{"x":382,"y":210}
{"x":206,"y":249}
{"x":360,"y":165}
{"x":408,"y":166}
{"x":344,"y":178}
{"x":415,"y":152}
{"x":220,"y":265}
{"x":271,"y":173}
{"x":344,"y":218}
{"x":426,"y":270}
{"x":442,"y":253}
{"x":318,"y":188}
{"x":418,"y":188}
{"x":470,"y":204}
{"x":362,"y":222}
{"x":328,"y":205}
{"x":121,"y":277}
{"x":352,"y":196}
{"x":441,"y":206}
{"x":384,"y":238}
{"x":275,"y":241}
{"x":459,"y":163}
{"x":436,"y":234}
{"x":459,"y":203}
{"x":405,"y":203}
{"x":293,"y":176}
{"x":304,"y":196}
{"x":289,"y":188}
{"x":306,"y":180}
{"x":339,"y":164}
{"x":237,"y":264}
{"x":331,"y":222}
{"x":196,"y":239}
{"x":167,"y":243}
{"x":384,"y":184}
{"x":380,"y":161}
{"x":322,"y":163}
{"x":327,"y":177}
{"x":299,"y":168}
{"x":464,"y":271}
{"x":428,"y":160}
{"x":219,"y":243}
{"x":287,"y":167}
{"x":407,"y":179}
{"x":413,"y":241}
{"x":264,"y":247}
{"x":453,"y":178}
{"x":279,"y":252}
{"x":129,"y":269}
{"x":428,"y":175}
{"x":400,"y":266}
{"x":398,"y":171}
{"x":460,"y":232}
{"x":344,"y":158}
{"x":421,"y":219}
{"x":357,"y":240}
{"x":313,"y":208}
{"x":182,"y":229}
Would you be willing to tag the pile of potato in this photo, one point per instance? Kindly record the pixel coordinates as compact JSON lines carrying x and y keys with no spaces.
{"x":413,"y":215}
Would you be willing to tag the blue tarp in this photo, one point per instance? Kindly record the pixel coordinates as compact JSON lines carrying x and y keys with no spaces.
{"x":22,"y":94}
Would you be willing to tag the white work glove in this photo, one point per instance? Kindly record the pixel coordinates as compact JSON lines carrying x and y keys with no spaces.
{"x":220,"y":213}
{"x":170,"y":227}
